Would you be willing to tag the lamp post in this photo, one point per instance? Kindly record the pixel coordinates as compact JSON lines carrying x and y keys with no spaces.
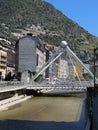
{"x":95,"y":49}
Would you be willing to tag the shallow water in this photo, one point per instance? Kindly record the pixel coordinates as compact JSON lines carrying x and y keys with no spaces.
{"x":67,"y":109}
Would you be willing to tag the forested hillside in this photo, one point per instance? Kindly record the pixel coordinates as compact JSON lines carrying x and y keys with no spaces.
{"x":42,"y":19}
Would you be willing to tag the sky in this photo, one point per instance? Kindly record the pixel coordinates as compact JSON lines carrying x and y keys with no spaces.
{"x":83,"y":12}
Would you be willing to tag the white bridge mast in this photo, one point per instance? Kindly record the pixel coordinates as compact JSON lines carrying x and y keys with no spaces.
{"x":63,"y":47}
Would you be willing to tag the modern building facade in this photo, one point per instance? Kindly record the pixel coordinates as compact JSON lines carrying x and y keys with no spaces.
{"x":3,"y":61}
{"x":7,"y":61}
{"x":59,"y":68}
{"x":30,"y":56}
{"x":63,"y":68}
{"x":10,"y":61}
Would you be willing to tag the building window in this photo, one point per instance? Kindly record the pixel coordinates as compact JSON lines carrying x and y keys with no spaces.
{"x":37,"y":57}
{"x":0,"y":75}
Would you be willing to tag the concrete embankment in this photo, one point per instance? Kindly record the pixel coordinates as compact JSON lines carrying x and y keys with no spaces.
{"x":5,"y":104}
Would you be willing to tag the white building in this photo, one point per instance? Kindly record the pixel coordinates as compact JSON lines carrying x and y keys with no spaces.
{"x":3,"y":65}
{"x":63,"y":70}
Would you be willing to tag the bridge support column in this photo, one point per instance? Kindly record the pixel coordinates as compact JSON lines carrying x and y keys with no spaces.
{"x":24,"y":77}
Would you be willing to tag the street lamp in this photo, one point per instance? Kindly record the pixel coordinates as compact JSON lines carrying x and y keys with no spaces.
{"x":95,"y":49}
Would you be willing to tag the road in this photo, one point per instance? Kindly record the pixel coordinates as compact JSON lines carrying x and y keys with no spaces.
{"x":45,"y":113}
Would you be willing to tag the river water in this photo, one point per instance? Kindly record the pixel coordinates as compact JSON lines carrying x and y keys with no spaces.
{"x":42,"y":109}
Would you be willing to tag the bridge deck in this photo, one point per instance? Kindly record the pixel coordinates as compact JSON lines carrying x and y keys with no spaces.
{"x":68,"y":86}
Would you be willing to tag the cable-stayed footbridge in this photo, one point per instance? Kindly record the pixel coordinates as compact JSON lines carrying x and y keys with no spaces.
{"x":75,"y":80}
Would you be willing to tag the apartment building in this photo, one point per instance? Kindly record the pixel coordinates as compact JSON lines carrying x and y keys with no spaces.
{"x":3,"y":61}
{"x":7,"y":58}
{"x":59,"y":68}
{"x":63,"y":68}
{"x":52,"y":70}
{"x":30,"y":56}
{"x":40,"y":59}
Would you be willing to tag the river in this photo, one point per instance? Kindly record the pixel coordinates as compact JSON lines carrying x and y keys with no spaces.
{"x":43,"y":113}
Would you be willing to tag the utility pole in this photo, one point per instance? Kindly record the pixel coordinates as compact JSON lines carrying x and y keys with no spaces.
{"x":95,"y":49}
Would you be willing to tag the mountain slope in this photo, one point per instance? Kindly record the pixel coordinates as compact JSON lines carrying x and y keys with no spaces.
{"x":48,"y":23}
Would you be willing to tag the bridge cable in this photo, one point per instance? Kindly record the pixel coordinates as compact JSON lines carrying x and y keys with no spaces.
{"x":74,"y":68}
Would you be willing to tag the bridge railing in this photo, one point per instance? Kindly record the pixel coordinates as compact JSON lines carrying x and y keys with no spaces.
{"x":72,"y":85}
{"x":11,"y":83}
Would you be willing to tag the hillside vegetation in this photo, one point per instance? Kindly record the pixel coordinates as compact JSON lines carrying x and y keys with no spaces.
{"x":44,"y":20}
